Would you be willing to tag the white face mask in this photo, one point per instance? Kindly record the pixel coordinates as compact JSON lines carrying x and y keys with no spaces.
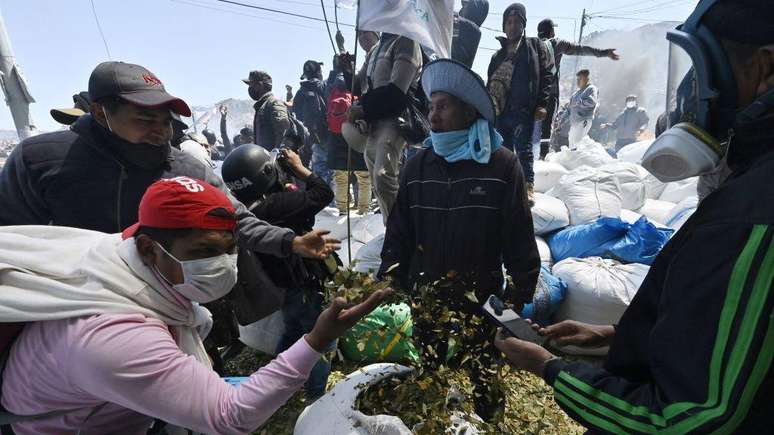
{"x":631,"y":104}
{"x":683,"y":151}
{"x":207,"y":279}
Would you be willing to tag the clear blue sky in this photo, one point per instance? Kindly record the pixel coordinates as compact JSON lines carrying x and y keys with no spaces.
{"x":202,"y":48}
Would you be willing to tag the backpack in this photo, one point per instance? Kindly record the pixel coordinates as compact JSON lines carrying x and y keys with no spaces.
{"x":309,"y":107}
{"x":339,"y":102}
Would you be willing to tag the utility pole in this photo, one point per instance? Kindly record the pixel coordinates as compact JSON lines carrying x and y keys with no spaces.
{"x":17,"y":95}
{"x":584,"y":21}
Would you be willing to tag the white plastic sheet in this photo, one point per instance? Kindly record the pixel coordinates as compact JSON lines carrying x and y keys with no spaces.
{"x":265,"y":334}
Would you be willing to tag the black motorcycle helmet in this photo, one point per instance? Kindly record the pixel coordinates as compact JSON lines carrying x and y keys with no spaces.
{"x":250,"y":172}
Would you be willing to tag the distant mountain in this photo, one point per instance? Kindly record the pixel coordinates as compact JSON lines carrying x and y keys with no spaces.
{"x":642,"y":69}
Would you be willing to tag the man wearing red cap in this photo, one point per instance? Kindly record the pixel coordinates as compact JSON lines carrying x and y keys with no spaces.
{"x":113,"y":323}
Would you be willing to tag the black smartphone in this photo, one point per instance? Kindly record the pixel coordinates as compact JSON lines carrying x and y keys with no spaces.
{"x":511,"y":322}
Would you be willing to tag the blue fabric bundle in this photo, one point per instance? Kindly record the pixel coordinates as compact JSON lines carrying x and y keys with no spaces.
{"x":549,"y":295}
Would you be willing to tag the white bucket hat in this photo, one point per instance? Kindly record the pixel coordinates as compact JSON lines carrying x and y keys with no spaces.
{"x":454,"y":78}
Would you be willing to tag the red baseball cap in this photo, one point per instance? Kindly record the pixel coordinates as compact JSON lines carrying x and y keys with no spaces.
{"x":183,"y":202}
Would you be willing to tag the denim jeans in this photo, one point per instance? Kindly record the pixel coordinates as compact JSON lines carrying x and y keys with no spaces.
{"x":537,"y":135}
{"x":519,"y":139}
{"x":320,"y":163}
{"x":302,"y":307}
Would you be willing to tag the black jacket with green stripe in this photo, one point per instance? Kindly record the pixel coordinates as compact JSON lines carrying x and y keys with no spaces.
{"x":693,"y":352}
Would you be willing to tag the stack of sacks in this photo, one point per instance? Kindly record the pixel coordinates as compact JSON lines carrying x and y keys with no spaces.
{"x":549,"y":214}
{"x":656,"y":210}
{"x":589,"y":194}
{"x":586,"y":153}
{"x":610,"y":238}
{"x":547,"y":174}
{"x":598,"y":292}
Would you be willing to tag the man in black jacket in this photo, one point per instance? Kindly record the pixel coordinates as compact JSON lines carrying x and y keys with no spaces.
{"x":520,"y":81}
{"x":462,"y":210}
{"x":262,"y":184}
{"x":94,"y":175}
{"x":693,"y":352}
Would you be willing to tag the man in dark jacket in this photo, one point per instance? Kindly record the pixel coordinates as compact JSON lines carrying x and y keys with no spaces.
{"x":520,"y":83}
{"x":246,"y":135}
{"x":309,"y":106}
{"x":557,"y":49}
{"x":289,"y":207}
{"x":271,"y":114}
{"x":94,"y":175}
{"x":630,"y":123}
{"x":467,"y":30}
{"x":693,"y":352}
{"x":462,"y":210}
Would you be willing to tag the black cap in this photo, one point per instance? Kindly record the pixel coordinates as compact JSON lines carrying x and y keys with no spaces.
{"x":518,"y":10}
{"x":134,"y":84}
{"x":312,"y":70}
{"x":258,"y":76}
{"x":545,"y":27}
{"x":81,"y":106}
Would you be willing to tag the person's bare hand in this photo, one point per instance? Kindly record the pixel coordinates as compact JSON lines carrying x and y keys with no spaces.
{"x":316,"y":244}
{"x":523,"y":355}
{"x":340,"y":41}
{"x":610,"y":52}
{"x":295,"y":164}
{"x":339,"y":317}
{"x":223,"y":110}
{"x":570,"y":332}
{"x":540,"y":114}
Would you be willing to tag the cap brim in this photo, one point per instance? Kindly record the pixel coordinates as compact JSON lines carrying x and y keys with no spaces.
{"x":454,"y":78}
{"x":247,"y":81}
{"x":66,"y":116}
{"x":158,"y":99}
{"x":129,"y":232}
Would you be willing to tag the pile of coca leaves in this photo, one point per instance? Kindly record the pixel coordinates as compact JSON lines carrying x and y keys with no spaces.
{"x":454,"y":342}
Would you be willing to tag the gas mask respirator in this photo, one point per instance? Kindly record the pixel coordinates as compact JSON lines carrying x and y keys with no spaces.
{"x":700,"y":106}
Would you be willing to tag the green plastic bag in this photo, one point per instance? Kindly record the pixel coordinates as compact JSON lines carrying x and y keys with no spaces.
{"x":382,"y":336}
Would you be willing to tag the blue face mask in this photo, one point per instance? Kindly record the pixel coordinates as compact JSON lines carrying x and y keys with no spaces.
{"x":476,"y":143}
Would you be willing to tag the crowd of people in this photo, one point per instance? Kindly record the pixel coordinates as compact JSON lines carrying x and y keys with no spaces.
{"x":126,"y":261}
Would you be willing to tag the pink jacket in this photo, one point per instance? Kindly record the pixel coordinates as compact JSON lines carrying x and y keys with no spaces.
{"x":132,"y":363}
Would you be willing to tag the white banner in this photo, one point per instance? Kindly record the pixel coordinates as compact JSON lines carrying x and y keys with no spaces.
{"x":428,"y":22}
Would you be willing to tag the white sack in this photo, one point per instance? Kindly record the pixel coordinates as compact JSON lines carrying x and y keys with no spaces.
{"x":344,"y":255}
{"x":547,"y":174}
{"x":633,"y":153}
{"x":329,"y":219}
{"x":587,"y":153}
{"x":265,"y":334}
{"x":545,"y":253}
{"x":631,"y":179}
{"x":656,"y":211}
{"x":367,"y":228}
{"x":369,"y":257}
{"x":598,"y":290}
{"x":549,"y":214}
{"x":681,"y":212}
{"x":679,"y":190}
{"x":589,"y":194}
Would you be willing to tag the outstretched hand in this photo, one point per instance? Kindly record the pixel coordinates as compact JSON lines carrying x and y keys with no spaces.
{"x":610,"y":52}
{"x":570,"y":332}
{"x":340,"y":316}
{"x":316,"y":244}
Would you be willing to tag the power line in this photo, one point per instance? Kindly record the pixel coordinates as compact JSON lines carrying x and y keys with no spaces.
{"x":625,"y":6}
{"x":242,"y":14}
{"x":665,"y":5}
{"x":99,"y":27}
{"x":642,"y":20}
{"x":277,"y":11}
